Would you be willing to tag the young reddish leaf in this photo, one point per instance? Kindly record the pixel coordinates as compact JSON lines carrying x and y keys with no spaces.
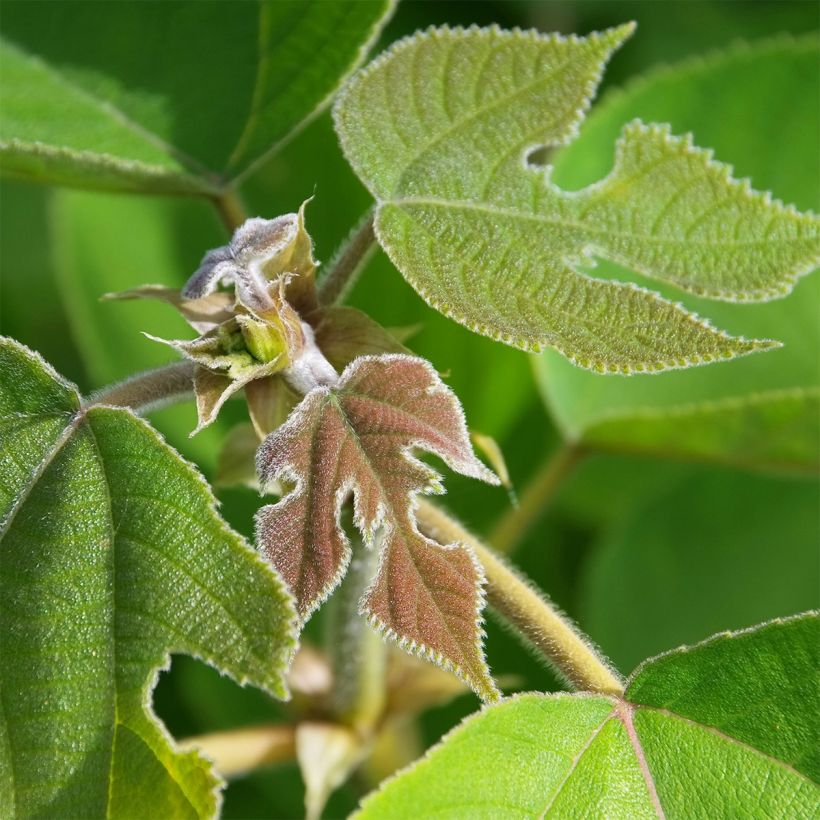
{"x":356,"y":440}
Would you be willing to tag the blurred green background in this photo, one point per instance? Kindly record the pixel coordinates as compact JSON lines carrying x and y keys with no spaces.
{"x":645,"y":553}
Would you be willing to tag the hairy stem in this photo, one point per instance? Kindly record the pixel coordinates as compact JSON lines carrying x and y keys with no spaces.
{"x":348,"y":262}
{"x":150,"y":389}
{"x":242,"y":750}
{"x":528,"y":611}
{"x":358,"y":653}
{"x":535,"y":499}
{"x":231,"y":211}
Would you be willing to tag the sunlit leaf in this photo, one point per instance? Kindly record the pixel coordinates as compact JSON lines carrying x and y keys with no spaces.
{"x":169,"y":97}
{"x":355,"y":440}
{"x":721,"y":729}
{"x":760,"y":411}
{"x":113,"y":556}
{"x":440,"y":128}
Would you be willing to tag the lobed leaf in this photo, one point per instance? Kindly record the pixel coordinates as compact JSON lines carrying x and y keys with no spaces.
{"x":764,"y":407}
{"x":440,"y":128}
{"x":724,"y":727}
{"x":113,"y":557}
{"x":355,"y":439}
{"x":139,"y":98}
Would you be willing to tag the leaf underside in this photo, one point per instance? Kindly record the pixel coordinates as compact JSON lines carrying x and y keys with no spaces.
{"x":439,"y":129}
{"x":113,"y":557}
{"x":355,"y":440}
{"x":721,"y":729}
{"x":169,"y":119}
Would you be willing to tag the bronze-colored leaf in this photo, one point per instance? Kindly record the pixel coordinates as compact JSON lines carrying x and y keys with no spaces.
{"x":202,"y":314}
{"x":356,"y":440}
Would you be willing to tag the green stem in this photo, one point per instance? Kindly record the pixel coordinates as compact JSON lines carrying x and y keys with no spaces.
{"x":535,"y":499}
{"x":150,"y":389}
{"x":231,"y":211}
{"x":348,"y":262}
{"x":358,"y":654}
{"x":528,"y":611}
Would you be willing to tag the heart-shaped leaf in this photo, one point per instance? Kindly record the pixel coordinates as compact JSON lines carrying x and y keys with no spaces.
{"x":440,"y":128}
{"x":721,"y":729}
{"x":169,"y":97}
{"x":760,"y":411}
{"x":355,"y":440}
{"x":113,"y":557}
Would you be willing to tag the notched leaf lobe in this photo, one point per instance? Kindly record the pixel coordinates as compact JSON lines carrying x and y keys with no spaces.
{"x":355,"y":440}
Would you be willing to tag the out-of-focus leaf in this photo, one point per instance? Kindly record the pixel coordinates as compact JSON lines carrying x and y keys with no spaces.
{"x":779,"y":429}
{"x":489,"y":240}
{"x":168,"y":97}
{"x":237,"y":458}
{"x":327,"y":753}
{"x":692,"y":731}
{"x":714,"y":550}
{"x":354,"y":440}
{"x":751,"y":88}
{"x":113,"y":556}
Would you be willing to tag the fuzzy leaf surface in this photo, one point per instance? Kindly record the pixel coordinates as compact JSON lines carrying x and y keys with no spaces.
{"x":439,"y":129}
{"x":113,"y":557}
{"x":138,"y":96}
{"x":765,"y":406}
{"x":723,"y":729}
{"x":355,"y":439}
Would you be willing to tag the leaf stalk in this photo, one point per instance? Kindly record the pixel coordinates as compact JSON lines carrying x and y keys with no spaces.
{"x":348,"y":262}
{"x":358,"y":654}
{"x":231,"y":211}
{"x":537,"y":496}
{"x":149,"y":390}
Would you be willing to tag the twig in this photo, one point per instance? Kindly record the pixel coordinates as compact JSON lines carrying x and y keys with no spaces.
{"x":535,"y":499}
{"x":150,"y":389}
{"x":231,"y":211}
{"x":528,"y":611}
{"x":348,"y":262}
{"x":357,"y":652}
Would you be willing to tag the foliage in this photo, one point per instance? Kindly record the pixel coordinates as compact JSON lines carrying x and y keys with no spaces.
{"x":675,"y":741}
{"x":500,"y":203}
{"x":469,"y":241}
{"x":113,"y":557}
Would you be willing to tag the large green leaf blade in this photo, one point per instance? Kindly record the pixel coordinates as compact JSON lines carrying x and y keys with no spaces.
{"x":440,"y":128}
{"x":112,"y":557}
{"x":768,"y":672}
{"x":699,"y":727}
{"x":748,"y":398}
{"x":169,"y":97}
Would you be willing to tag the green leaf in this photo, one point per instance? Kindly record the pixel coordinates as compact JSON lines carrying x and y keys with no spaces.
{"x":169,"y":97}
{"x":440,"y":129}
{"x":763,"y":409}
{"x":113,"y":556}
{"x":355,"y":440}
{"x":724,"y":726}
{"x":777,"y":429}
